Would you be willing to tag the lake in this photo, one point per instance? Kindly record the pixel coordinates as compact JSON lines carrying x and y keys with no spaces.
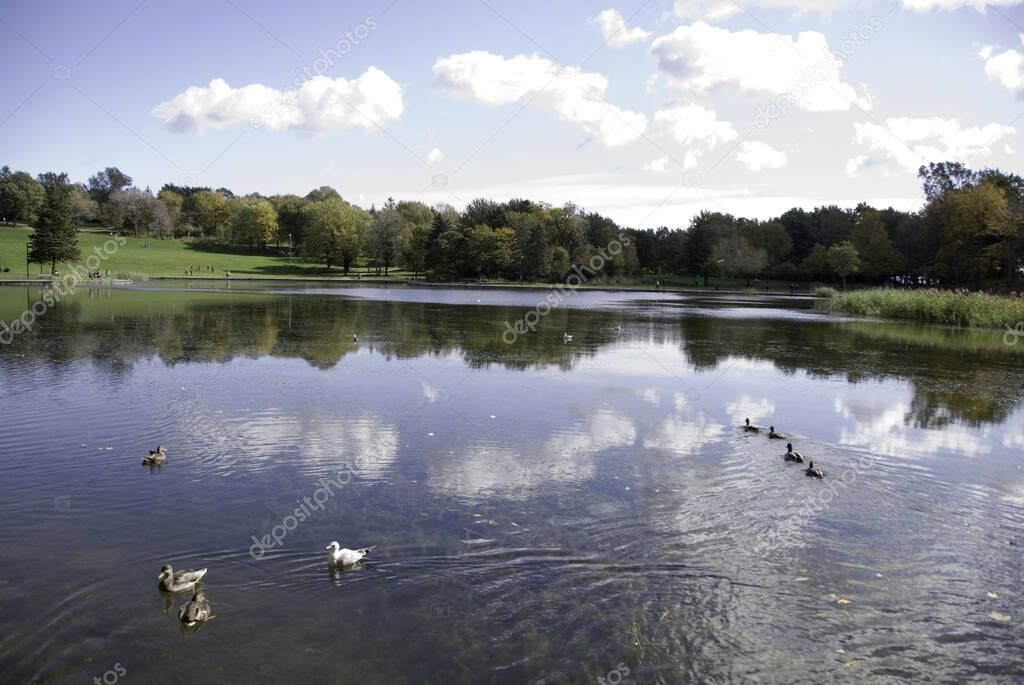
{"x":545,"y":511}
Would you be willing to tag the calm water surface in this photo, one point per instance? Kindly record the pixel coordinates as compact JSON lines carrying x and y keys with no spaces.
{"x":545,"y":512}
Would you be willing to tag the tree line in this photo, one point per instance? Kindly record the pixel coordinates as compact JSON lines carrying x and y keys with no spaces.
{"x":970,"y":230}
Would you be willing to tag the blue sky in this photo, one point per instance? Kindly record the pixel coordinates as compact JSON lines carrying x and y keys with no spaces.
{"x":647,"y":112}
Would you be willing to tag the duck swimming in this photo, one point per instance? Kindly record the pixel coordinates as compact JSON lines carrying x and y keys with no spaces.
{"x":775,"y":436}
{"x":813,"y":471}
{"x":157,"y":456}
{"x":750,"y":428}
{"x":344,"y":557}
{"x":196,"y":610}
{"x":566,"y":337}
{"x":793,"y":456}
{"x":177,"y":582}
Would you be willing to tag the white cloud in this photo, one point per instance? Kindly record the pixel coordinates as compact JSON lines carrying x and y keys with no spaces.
{"x":574,"y":96}
{"x":747,"y":407}
{"x":903,"y":144}
{"x":318,"y":105}
{"x":700,"y":57}
{"x":704,"y":10}
{"x":615,"y":32}
{"x":656,"y":201}
{"x":948,"y":5}
{"x":717,"y":10}
{"x":885,"y":431}
{"x":434,"y":156}
{"x":757,"y":156}
{"x":696,"y":127}
{"x":649,"y":395}
{"x":684,"y":436}
{"x":1005,"y":68}
{"x":659,"y":165}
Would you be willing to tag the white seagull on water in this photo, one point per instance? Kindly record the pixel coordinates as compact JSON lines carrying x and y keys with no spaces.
{"x":344,"y":557}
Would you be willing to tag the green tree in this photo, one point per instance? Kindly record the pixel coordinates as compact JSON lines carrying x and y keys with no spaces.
{"x":878,"y":258}
{"x":83,"y":207}
{"x":21,"y":197}
{"x":419,"y":220}
{"x":738,"y":257}
{"x":558,"y":262}
{"x":291,"y":221}
{"x":386,"y":236}
{"x":334,"y":232}
{"x":843,"y":259}
{"x":479,"y":247}
{"x":706,"y":229}
{"x":815,"y":265}
{"x":323,"y":193}
{"x":254,"y":222}
{"x":771,"y":237}
{"x":104,"y":184}
{"x":212,"y":212}
{"x":503,"y":252}
{"x":531,"y":243}
{"x":943,"y":177}
{"x":174,"y":202}
{"x":54,"y":238}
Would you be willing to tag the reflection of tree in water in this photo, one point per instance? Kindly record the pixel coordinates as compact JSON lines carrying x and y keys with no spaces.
{"x":983,"y":383}
{"x":973,"y":382}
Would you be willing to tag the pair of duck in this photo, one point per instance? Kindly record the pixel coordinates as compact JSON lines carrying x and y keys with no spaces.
{"x":772,"y":434}
{"x":812,"y":470}
{"x":196,"y":610}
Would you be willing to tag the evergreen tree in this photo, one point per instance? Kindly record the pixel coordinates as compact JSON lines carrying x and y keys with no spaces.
{"x":55,"y":238}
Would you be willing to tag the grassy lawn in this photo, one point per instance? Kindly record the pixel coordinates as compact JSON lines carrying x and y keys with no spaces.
{"x":172,"y":257}
{"x":165,"y":258}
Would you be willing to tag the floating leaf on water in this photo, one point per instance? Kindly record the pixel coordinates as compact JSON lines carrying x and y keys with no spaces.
{"x":998,"y":616}
{"x":801,"y":579}
{"x":842,"y":600}
{"x":430,"y":435}
{"x":992,"y":595}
